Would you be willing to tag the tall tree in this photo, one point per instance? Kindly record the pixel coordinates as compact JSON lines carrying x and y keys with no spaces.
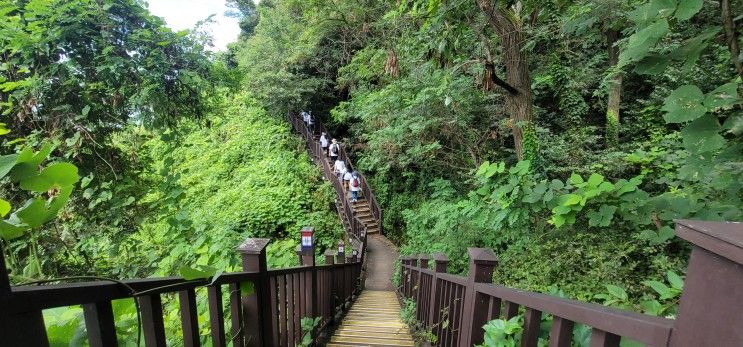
{"x":505,"y":21}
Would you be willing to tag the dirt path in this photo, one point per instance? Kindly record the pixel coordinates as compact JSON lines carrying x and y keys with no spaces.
{"x":380,"y":263}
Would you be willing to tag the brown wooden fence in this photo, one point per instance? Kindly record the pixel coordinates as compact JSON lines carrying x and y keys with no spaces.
{"x":270,"y":316}
{"x":710,"y":311}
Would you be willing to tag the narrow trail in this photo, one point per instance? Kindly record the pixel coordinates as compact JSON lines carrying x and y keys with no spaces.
{"x":380,"y":260}
{"x":374,"y":318}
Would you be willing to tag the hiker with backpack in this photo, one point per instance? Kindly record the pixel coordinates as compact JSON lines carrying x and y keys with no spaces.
{"x":339,"y":168}
{"x":304,"y":116}
{"x":311,"y":123}
{"x":355,"y":186}
{"x":333,"y":150}
{"x":324,"y":143}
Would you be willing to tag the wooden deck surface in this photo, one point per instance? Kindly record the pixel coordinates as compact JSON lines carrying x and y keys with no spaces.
{"x":374,"y":320}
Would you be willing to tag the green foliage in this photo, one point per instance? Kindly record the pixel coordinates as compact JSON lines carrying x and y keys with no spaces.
{"x":308,"y":327}
{"x":503,"y":333}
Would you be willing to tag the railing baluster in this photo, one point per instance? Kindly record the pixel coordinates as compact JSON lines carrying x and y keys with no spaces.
{"x":281,"y":283}
{"x":511,"y":310}
{"x":189,"y":318}
{"x":99,"y":322}
{"x":532,"y":318}
{"x":561,"y":334}
{"x":495,"y":304}
{"x":290,"y":310}
{"x":600,"y":338}
{"x":236,"y":316}
{"x":216,"y":315}
{"x":153,"y":328}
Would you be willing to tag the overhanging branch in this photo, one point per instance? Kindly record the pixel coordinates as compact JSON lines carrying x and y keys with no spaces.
{"x":498,"y":81}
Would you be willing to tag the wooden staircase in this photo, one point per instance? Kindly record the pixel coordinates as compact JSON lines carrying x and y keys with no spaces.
{"x":362,"y":210}
{"x":374,"y":320}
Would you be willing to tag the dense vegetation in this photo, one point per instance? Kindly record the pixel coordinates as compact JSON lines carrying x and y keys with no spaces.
{"x":566,"y":135}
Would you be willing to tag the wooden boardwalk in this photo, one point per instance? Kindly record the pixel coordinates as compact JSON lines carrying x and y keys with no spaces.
{"x":374,"y":320}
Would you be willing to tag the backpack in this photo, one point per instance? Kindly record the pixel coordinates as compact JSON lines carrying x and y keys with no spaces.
{"x":355,"y":182}
{"x":334,"y":148}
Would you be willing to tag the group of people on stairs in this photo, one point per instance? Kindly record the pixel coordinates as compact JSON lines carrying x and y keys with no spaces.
{"x":350,"y":180}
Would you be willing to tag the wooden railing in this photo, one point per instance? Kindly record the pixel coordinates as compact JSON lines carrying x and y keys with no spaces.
{"x":269,"y":316}
{"x":316,"y":150}
{"x":710,"y":311}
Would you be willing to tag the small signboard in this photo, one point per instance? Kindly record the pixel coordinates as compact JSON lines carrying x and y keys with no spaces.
{"x":307,"y":238}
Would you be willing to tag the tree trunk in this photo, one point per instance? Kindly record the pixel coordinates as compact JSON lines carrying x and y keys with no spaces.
{"x":518,"y":98}
{"x":615,"y":91}
{"x":731,"y":35}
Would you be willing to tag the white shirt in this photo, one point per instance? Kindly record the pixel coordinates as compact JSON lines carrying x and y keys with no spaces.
{"x":340,"y":166}
{"x":323,"y":141}
{"x":347,"y":176}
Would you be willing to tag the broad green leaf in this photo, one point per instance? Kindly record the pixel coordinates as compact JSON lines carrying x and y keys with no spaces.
{"x":703,"y":135}
{"x":3,"y":129}
{"x":617,"y":292}
{"x":687,"y":9}
{"x":53,"y":176}
{"x":7,"y":162}
{"x":675,"y":280}
{"x":595,"y":179}
{"x":724,"y":96}
{"x":659,"y":288}
{"x":684,"y":104}
{"x":4,"y":207}
{"x":652,"y":307}
{"x":32,"y":213}
{"x":652,"y":64}
{"x":10,"y":230}
{"x":189,"y":273}
{"x":640,"y":43}
{"x":690,"y":50}
{"x":568,"y":199}
{"x":575,"y":179}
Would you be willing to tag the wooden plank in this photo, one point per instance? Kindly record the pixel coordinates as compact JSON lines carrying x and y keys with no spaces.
{"x":216,"y":316}
{"x":530,"y":337}
{"x":189,"y":318}
{"x":561,"y":333}
{"x":273,"y":304}
{"x":298,"y":306}
{"x":236,"y":317}
{"x":153,"y":329}
{"x":281,"y":284}
{"x":99,"y":322}
{"x":290,"y":310}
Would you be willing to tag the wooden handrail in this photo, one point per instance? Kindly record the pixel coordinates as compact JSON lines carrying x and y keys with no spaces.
{"x":709,"y":312}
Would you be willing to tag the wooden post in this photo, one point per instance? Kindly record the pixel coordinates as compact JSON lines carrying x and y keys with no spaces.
{"x":18,"y":328}
{"x":257,"y":306}
{"x":710,"y":308}
{"x":482,"y":265}
{"x":329,"y":257}
{"x":440,"y":262}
